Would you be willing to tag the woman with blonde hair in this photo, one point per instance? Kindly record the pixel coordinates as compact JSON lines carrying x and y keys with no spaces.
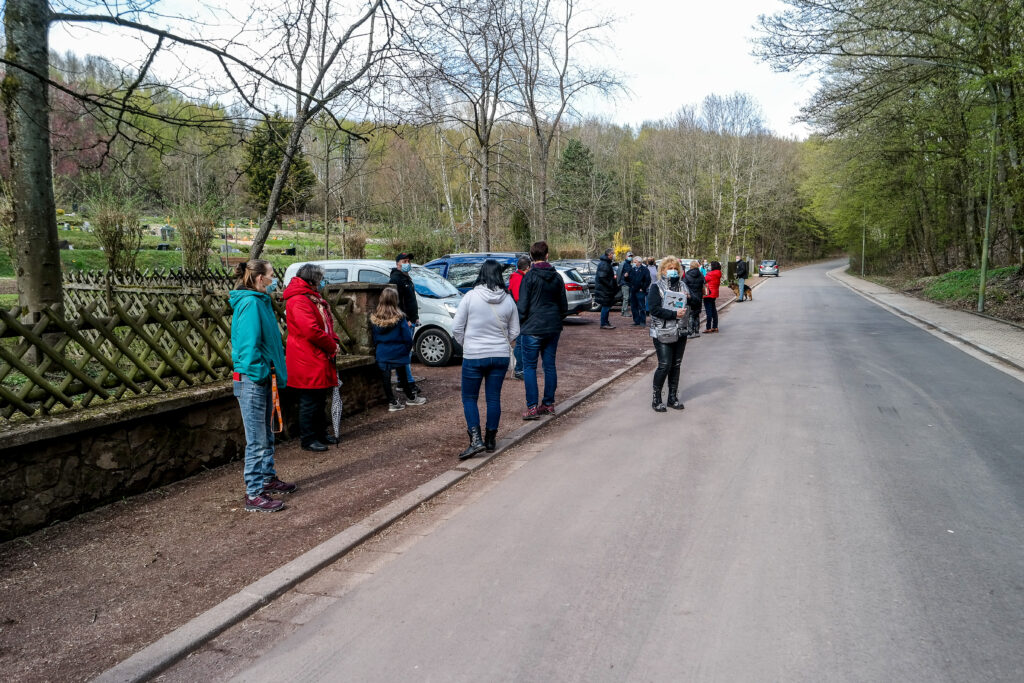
{"x":256,"y":355}
{"x":669,"y":306}
{"x":392,"y":339}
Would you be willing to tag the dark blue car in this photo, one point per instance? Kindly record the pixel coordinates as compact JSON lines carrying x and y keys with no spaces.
{"x":462,"y":269}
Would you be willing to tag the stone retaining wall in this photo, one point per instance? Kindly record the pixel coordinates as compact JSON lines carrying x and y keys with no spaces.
{"x":55,"y":468}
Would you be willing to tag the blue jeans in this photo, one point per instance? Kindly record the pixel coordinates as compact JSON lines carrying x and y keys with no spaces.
{"x":517,"y":355}
{"x":542,"y":346}
{"x":604,"y":315}
{"x":711,"y":313}
{"x":740,"y":282}
{"x":491,"y":373}
{"x":638,"y":302}
{"x":256,"y":405}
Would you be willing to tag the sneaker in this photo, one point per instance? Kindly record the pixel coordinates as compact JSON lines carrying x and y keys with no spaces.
{"x":607,"y":327}
{"x":275,"y":485}
{"x":531,"y":413}
{"x":517,"y":375}
{"x":546,"y":410}
{"x":417,"y":400}
{"x":262,"y":504}
{"x":395,"y":406}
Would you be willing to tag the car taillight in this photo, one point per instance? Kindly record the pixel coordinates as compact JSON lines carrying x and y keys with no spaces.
{"x":573,"y":287}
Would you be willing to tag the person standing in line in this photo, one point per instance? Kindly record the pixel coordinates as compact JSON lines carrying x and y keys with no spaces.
{"x":542,"y":305}
{"x":639,"y":282}
{"x":713,"y":279}
{"x":624,"y":270}
{"x":705,"y":268}
{"x":310,"y":352}
{"x":667,"y":299}
{"x":694,"y":281}
{"x":514,"y":282}
{"x":256,"y":354}
{"x":392,"y":341}
{"x":406,"y":302}
{"x":652,"y":268}
{"x":741,"y":275}
{"x":485,"y":324}
{"x":605,"y":286}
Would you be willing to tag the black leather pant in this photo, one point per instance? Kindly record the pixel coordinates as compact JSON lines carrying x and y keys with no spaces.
{"x":670,"y":358}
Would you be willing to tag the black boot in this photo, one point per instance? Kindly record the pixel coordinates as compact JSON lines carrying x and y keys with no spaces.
{"x":476,"y":444}
{"x":673,"y":400}
{"x":656,"y":403}
{"x":490,"y":439}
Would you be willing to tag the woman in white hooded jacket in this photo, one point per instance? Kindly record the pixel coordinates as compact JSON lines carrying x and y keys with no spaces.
{"x":486,"y":325}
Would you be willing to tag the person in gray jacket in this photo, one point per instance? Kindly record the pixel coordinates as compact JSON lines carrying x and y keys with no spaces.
{"x":486,"y":325}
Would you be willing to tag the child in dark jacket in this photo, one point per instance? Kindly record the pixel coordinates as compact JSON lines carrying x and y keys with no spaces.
{"x":392,"y":339}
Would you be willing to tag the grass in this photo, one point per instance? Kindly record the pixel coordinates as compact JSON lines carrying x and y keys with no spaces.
{"x":961,"y":284}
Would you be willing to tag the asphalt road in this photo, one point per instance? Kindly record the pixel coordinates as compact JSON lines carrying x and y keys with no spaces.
{"x":841,"y":500}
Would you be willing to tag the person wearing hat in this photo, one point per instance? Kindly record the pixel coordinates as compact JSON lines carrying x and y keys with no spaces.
{"x":624,"y":270}
{"x":406,"y":301}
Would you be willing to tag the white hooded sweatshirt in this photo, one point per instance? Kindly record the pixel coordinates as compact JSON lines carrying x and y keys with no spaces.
{"x":486,"y":322}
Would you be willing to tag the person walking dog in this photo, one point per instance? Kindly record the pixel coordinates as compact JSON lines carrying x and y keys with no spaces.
{"x":741,"y":275}
{"x":668,"y":300}
{"x":257,"y":358}
{"x":542,"y":305}
{"x":604,"y":287}
{"x":712,"y":282}
{"x":486,"y":322}
{"x":310,"y":354}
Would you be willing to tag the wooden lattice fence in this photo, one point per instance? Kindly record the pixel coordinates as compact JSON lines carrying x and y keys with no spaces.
{"x":137,"y":339}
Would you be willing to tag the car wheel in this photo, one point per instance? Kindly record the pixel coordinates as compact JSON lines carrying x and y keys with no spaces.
{"x":434,"y":348}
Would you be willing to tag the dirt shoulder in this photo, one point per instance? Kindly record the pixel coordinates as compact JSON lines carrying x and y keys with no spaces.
{"x":82,"y":595}
{"x":1004,"y":293}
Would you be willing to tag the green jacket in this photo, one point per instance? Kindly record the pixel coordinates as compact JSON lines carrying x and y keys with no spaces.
{"x":255,"y":337}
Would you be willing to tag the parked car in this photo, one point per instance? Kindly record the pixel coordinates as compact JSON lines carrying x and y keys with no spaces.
{"x":588,"y":269}
{"x":461,"y":271}
{"x":768,"y":267}
{"x":434,"y":339}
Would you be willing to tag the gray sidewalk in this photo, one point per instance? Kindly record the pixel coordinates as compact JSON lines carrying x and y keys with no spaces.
{"x":1000,"y":340}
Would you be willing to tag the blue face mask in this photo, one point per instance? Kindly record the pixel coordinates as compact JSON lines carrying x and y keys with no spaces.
{"x":406,"y":267}
{"x":272,"y":287}
{"x":672,"y":273}
{"x":323,"y":283}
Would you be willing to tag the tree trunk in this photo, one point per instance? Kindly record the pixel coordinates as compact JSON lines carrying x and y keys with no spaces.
{"x":274,"y":202}
{"x":542,"y":210}
{"x":38,"y":265}
{"x":485,"y":199}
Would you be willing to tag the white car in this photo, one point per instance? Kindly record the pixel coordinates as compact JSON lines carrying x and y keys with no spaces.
{"x":437,"y":299}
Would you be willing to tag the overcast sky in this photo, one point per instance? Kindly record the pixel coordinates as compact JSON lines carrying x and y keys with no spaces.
{"x":676,"y":52}
{"x":670,"y":52}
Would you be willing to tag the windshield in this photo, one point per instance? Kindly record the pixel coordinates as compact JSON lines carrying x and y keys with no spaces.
{"x":430,"y":284}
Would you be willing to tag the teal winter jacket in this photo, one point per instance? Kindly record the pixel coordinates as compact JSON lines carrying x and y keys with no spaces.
{"x":255,"y":337}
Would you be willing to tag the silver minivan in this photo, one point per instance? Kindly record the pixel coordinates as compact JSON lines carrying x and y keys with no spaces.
{"x":437,"y":299}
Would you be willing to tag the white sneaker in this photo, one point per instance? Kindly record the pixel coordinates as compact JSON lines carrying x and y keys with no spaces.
{"x":418,"y":401}
{"x":395,"y":406}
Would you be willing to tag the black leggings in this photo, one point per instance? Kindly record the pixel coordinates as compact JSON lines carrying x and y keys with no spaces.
{"x":670,"y":357}
{"x":711,"y":313}
{"x":312,"y":415}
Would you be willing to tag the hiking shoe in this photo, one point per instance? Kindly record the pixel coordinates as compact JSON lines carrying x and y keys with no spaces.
{"x":262,"y":504}
{"x":275,"y":485}
{"x":546,"y":410}
{"x":531,"y":413}
{"x":395,"y":406}
{"x":517,"y":375}
{"x":418,"y":400}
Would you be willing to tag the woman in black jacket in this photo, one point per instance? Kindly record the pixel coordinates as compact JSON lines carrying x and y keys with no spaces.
{"x":668,"y":302}
{"x":605,"y":287}
{"x":694,"y":280}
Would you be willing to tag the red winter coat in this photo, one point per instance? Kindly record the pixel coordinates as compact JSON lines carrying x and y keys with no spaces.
{"x":514,"y":283}
{"x":312,"y":343}
{"x":712,"y":279}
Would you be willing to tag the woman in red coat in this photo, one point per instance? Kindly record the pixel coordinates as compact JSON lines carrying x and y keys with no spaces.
{"x":713,"y":279}
{"x":309,"y":353}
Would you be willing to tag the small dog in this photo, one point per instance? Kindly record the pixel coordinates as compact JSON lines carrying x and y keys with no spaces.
{"x":748,"y":294}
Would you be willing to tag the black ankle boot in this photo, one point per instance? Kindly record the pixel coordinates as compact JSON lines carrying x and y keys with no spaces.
{"x":656,"y":403}
{"x":673,"y":401}
{"x":490,"y":440}
{"x":476,"y":444}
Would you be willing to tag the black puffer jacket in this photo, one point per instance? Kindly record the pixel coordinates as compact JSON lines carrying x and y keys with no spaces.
{"x":406,"y":295}
{"x":542,"y":303}
{"x":741,"y":269}
{"x":694,"y":281}
{"x":605,"y":286}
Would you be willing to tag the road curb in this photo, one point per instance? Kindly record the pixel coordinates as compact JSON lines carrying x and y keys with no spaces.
{"x":924,"y":321}
{"x":157,"y":657}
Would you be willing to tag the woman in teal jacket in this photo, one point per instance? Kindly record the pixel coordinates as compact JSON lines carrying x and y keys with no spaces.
{"x":256,"y":352}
